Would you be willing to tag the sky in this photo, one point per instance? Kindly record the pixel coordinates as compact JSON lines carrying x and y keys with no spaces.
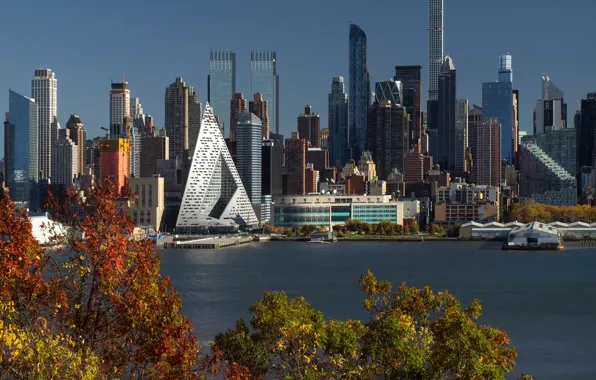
{"x":151,"y":42}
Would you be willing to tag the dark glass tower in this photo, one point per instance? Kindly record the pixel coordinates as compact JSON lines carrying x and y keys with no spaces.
{"x":221,"y":86}
{"x":264,"y":80}
{"x":586,"y":136}
{"x":446,"y":142}
{"x":411,"y":79}
{"x":338,"y":123}
{"x":359,"y":90}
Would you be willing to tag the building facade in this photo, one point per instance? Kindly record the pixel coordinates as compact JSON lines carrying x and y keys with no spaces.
{"x":295,"y":159}
{"x":78,"y":136}
{"x":238,"y":105}
{"x":148,"y":208}
{"x":265,"y":81}
{"x":182,"y":117}
{"x":309,"y":127}
{"x":119,"y":108}
{"x":260,"y":108}
{"x":249,"y":133}
{"x":411,"y":79}
{"x":435,"y":46}
{"x":360,"y":95}
{"x":586,"y":137}
{"x":65,"y":159}
{"x":153,"y":147}
{"x":44,"y":89}
{"x":221,"y":85}
{"x":338,"y":123}
{"x":21,"y":147}
{"x":446,"y":141}
{"x":113,"y":162}
{"x":461,"y":135}
{"x":272,"y":157}
{"x":487,"y":161}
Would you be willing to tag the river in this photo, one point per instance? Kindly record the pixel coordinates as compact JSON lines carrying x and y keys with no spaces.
{"x":546,"y":301}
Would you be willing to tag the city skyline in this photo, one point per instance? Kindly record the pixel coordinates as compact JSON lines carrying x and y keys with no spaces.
{"x":303,"y":80}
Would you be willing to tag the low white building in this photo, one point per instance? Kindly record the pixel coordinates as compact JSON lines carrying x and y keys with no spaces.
{"x":533,"y":234}
{"x":493,"y":230}
{"x":44,"y":229}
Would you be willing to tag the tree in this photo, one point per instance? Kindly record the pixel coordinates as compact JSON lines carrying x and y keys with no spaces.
{"x":412,"y":333}
{"x":103,"y":293}
{"x":414,"y":228}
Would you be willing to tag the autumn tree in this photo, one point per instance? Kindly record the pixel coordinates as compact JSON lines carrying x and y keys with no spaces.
{"x":412,"y":333}
{"x":103,"y":291}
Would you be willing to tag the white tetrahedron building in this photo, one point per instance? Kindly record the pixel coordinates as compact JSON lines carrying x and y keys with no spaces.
{"x":214,"y":194}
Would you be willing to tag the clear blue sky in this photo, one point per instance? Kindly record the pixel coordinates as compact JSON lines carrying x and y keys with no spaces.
{"x":152,"y":41}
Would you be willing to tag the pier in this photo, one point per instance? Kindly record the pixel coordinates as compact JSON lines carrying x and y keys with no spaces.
{"x":208,"y":243}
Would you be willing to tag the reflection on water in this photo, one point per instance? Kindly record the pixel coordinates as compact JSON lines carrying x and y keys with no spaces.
{"x":544,"y":300}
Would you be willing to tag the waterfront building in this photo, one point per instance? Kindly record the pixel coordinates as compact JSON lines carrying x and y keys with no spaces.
{"x":387,"y":136}
{"x":44,"y":89}
{"x":497,"y":103}
{"x":461,"y":135}
{"x":461,"y":202}
{"x":329,"y":210}
{"x":360,"y":95}
{"x":65,"y":159}
{"x":119,"y":109}
{"x":148,"y":207}
{"x":21,"y":147}
{"x":435,"y":47}
{"x":411,"y":79}
{"x":154,"y":146}
{"x":214,"y":193}
{"x":78,"y":136}
{"x":221,"y":85}
{"x":446,"y":138}
{"x":238,"y":105}
{"x":264,"y":80}
{"x":260,"y":108}
{"x":249,"y":134}
{"x":295,"y":159}
{"x":309,"y":127}
{"x":338,"y":123}
{"x":492,"y":230}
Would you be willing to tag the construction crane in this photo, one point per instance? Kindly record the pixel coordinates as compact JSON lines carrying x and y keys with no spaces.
{"x":107,"y":131}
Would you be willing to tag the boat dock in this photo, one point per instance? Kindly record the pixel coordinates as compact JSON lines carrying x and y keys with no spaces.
{"x":208,"y":243}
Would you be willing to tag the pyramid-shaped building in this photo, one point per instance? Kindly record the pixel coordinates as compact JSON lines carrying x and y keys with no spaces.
{"x":214,"y":193}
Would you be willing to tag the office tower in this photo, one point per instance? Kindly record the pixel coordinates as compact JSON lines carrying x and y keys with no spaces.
{"x":238,"y":105}
{"x":213,"y":193}
{"x":148,"y":124}
{"x":92,"y":154}
{"x":586,"y":137}
{"x":221,"y":85}
{"x":295,"y":158}
{"x":153,"y":147}
{"x":319,"y":158}
{"x":435,"y":46}
{"x":487,"y":162}
{"x":114,"y":157}
{"x":65,"y":159}
{"x":414,"y":167}
{"x":411,"y":79}
{"x":461,"y":135}
{"x":77,"y":135}
{"x":136,"y":114}
{"x":550,"y":113}
{"x":446,"y":144}
{"x":249,"y":138}
{"x":577,"y":119}
{"x":272,"y":158}
{"x":515,"y":128}
{"x":325,"y":139}
{"x":54,"y":130}
{"x":260,"y":108}
{"x":474,"y":119}
{"x":497,"y":103}
{"x":389,"y":90}
{"x":119,"y":108}
{"x":182,"y":116}
{"x":264,"y":80}
{"x":338,"y":123}
{"x":360,"y":95}
{"x":387,"y":137}
{"x":44,"y":89}
{"x":367,"y":166}
{"x":311,"y":181}
{"x":309,"y":127}
{"x":432,"y":130}
{"x":21,"y":147}
{"x":134,"y":145}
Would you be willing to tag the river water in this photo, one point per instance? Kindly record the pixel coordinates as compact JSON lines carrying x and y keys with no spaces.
{"x":546,"y":301}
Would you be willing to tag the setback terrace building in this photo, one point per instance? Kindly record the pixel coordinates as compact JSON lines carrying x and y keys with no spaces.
{"x":330,"y":210}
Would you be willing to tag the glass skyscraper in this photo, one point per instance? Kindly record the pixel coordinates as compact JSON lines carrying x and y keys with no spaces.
{"x":22,"y":150}
{"x":264,"y":80}
{"x":249,"y":140}
{"x":359,"y":90}
{"x":497,"y":103}
{"x":221,"y":85}
{"x":338,"y":123}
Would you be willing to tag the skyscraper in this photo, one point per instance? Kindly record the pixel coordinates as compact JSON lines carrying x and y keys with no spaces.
{"x":391,"y":90}
{"x":411,"y":79}
{"x":497,"y":103}
{"x":272,"y":159}
{"x":238,"y":105}
{"x":155,"y":146}
{"x":461,"y":134}
{"x":586,"y":137}
{"x":264,"y":80}
{"x":338,"y":123}
{"x":65,"y":159}
{"x":309,"y":127}
{"x":446,"y":142}
{"x":295,"y":158}
{"x":260,"y":108}
{"x":182,"y":116}
{"x":221,"y":85}
{"x":550,"y":113}
{"x":21,"y":150}
{"x":119,"y":108}
{"x":77,"y":135}
{"x":249,"y":138}
{"x":435,"y":46}
{"x":214,"y":193}
{"x":487,"y":163}
{"x":360,"y":94}
{"x":474,"y":120}
{"x":44,"y":89}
